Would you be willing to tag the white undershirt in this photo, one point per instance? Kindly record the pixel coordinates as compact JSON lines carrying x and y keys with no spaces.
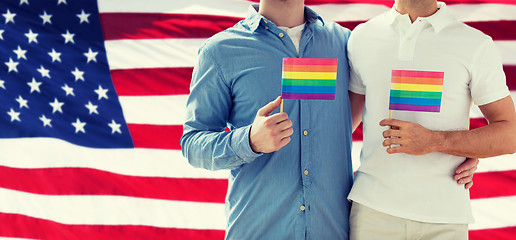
{"x":294,"y":34}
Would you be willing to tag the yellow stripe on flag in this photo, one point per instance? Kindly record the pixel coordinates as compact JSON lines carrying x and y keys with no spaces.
{"x":310,"y":75}
{"x":416,"y":87}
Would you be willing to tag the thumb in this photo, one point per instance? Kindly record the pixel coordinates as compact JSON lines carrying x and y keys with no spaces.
{"x":267,"y":109}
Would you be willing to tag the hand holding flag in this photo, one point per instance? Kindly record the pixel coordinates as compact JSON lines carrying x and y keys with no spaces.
{"x":408,"y":137}
{"x":270,"y":133}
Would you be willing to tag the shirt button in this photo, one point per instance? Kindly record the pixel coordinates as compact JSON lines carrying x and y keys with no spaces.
{"x":302,"y":208}
{"x":280,"y":35}
{"x":266,"y":27}
{"x":305,"y":132}
{"x":305,"y":172}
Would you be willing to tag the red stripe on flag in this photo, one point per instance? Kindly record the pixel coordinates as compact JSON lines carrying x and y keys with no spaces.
{"x":310,"y":61}
{"x":350,"y":24}
{"x":161,"y":25}
{"x":174,"y":81}
{"x":496,"y":29}
{"x":156,"y":136}
{"x":477,"y":122}
{"x":21,"y":226}
{"x":510,"y":73}
{"x":493,"y":234}
{"x":152,"y":81}
{"x":86,"y":181}
{"x":357,"y":134}
{"x":493,"y":184}
{"x":118,"y":26}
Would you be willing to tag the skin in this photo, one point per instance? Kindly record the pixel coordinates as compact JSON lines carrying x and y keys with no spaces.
{"x":270,"y":133}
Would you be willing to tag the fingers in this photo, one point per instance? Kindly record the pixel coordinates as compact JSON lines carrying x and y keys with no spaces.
{"x":464,"y":173}
{"x":465,"y":180}
{"x":398,"y":149}
{"x":278,"y":118}
{"x":284,"y":142}
{"x":469,"y":163}
{"x":394,"y":123}
{"x":286,"y":133}
{"x":267,"y":109}
{"x":285,"y":124}
{"x":391,"y":133}
{"x":270,"y":133}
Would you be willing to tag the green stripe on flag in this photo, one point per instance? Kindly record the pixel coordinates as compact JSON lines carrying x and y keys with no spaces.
{"x":309,"y":82}
{"x":416,"y":94}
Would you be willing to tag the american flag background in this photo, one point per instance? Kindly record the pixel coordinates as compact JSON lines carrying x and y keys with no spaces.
{"x":92,"y":101}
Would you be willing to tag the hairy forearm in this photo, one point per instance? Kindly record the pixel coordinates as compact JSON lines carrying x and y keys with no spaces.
{"x":495,"y":139}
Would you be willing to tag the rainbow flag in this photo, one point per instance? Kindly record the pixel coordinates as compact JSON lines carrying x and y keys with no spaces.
{"x":416,"y":90}
{"x":309,"y":78}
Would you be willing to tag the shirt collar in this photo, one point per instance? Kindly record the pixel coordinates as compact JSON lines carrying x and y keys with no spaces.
{"x":439,"y":20}
{"x":254,"y":19}
{"x":442,"y":18}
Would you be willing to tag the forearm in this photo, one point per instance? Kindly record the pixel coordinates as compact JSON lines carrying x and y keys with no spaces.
{"x":495,"y":139}
{"x":217,"y":150}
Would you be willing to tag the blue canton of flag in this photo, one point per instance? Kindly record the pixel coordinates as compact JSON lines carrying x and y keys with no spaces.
{"x":54,"y":75}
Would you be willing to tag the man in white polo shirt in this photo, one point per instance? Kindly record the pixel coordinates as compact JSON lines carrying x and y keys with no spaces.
{"x":403,"y":188}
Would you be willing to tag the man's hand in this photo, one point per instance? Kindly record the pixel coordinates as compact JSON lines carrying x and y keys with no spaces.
{"x":412,"y":138}
{"x":464,"y":173}
{"x":270,"y":133}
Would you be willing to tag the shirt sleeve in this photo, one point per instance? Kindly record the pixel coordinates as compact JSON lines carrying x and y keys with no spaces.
{"x":356,"y":84}
{"x":205,"y":142}
{"x":488,"y":82}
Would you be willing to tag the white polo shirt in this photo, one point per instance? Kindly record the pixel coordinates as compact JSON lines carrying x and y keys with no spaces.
{"x":420,"y":188}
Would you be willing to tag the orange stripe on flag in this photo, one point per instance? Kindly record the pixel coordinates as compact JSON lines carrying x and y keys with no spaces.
{"x":309,"y":68}
{"x":417,"y":80}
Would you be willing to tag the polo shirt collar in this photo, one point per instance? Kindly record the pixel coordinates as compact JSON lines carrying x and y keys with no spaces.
{"x":439,"y":20}
{"x":442,"y":18}
{"x":254,"y":18}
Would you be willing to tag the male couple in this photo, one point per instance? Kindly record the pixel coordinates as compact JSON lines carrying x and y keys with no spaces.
{"x":291,"y":172}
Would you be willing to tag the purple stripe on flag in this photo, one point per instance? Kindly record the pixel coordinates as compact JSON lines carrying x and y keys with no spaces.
{"x":320,"y":96}
{"x":419,"y":108}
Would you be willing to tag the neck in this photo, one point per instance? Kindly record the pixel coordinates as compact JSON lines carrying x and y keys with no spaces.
{"x":283,"y":13}
{"x":416,"y":8}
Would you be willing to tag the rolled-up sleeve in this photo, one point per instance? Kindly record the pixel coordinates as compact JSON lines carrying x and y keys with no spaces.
{"x":205,"y":142}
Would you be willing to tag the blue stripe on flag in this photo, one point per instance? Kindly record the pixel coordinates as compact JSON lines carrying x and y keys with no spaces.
{"x":307,"y":89}
{"x":415,"y":101}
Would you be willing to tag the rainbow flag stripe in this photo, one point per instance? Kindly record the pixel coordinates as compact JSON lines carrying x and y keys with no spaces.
{"x":309,"y":78}
{"x":416,"y":90}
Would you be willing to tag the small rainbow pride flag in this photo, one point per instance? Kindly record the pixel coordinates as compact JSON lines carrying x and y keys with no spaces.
{"x":309,"y":78}
{"x":416,"y":91}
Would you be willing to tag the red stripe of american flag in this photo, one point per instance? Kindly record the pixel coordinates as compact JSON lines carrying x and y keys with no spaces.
{"x":158,"y":26}
{"x":87,"y":181}
{"x":22,"y":226}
